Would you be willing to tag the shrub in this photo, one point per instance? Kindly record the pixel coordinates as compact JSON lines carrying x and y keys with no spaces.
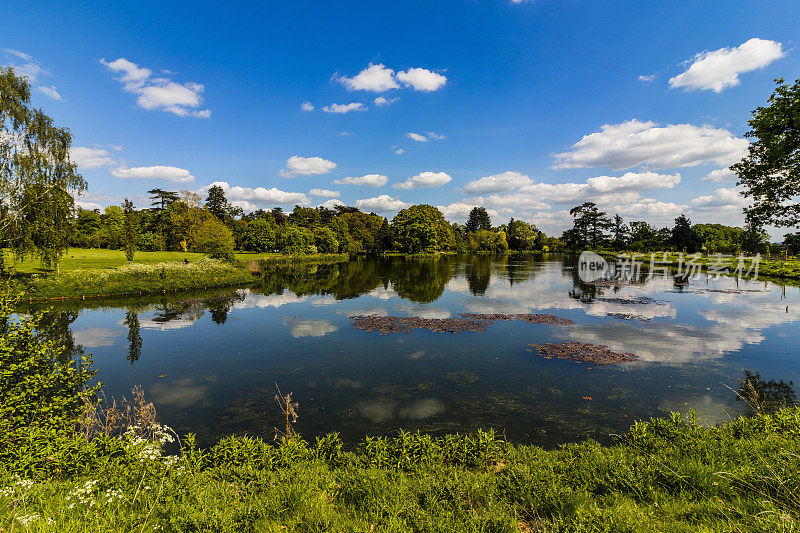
{"x":213,"y":238}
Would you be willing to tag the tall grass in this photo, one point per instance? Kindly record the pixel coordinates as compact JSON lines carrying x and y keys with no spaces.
{"x":134,"y":279}
{"x":668,"y":474}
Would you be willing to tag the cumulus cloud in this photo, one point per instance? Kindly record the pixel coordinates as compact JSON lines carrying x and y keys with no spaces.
{"x":330,"y":204}
{"x":258,"y":197}
{"x":399,"y":151}
{"x":650,"y":208}
{"x":382,"y":204}
{"x":88,"y":158}
{"x":425,"y":179}
{"x":633,"y":143}
{"x":324,"y":193}
{"x":344,"y":108}
{"x":157,"y":172}
{"x":417,"y":137}
{"x":722,"y":197}
{"x":307,"y":106}
{"x":306,"y":166}
{"x":159,"y":93}
{"x":460,"y":210}
{"x":522,"y":192}
{"x":379,"y":78}
{"x":506,"y":181}
{"x":432,"y":135}
{"x":719,"y":69}
{"x":720,"y":175}
{"x":421,"y":79}
{"x":370,"y":180}
{"x":376,"y":78}
{"x":647,"y":78}
{"x":310,"y":328}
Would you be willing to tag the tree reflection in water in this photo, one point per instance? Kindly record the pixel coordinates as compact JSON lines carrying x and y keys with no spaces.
{"x":765,"y":397}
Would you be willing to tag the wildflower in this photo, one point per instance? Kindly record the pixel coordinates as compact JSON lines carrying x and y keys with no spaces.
{"x":27,"y":519}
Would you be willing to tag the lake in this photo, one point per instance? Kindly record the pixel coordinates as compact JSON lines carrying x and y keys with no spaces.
{"x":210,"y":360}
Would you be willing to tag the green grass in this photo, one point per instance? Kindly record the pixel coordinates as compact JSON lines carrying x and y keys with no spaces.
{"x":99,"y":258}
{"x":665,"y":475}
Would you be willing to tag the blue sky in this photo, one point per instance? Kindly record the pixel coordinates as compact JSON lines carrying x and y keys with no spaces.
{"x":528,"y":108}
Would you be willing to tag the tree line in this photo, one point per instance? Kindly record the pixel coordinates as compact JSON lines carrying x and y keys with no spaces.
{"x":595,"y":229}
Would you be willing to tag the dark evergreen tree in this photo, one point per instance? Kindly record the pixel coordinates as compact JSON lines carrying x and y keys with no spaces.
{"x":684,"y":237}
{"x":478,"y":220}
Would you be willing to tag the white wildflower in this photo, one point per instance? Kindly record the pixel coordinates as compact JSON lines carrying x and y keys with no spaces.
{"x":27,"y":519}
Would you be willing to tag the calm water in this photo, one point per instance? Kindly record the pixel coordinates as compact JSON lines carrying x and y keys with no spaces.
{"x":210,"y":360}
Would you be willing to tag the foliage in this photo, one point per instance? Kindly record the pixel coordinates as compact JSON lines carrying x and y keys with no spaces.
{"x":131,"y":231}
{"x":298,"y":241}
{"x":478,"y":219}
{"x":261,"y":235}
{"x":718,"y":238}
{"x":325,"y":240}
{"x":42,"y":386}
{"x":213,"y":238}
{"x":684,"y":237}
{"x":792,"y":243}
{"x":522,"y":236}
{"x":589,"y":227}
{"x":422,"y":228}
{"x":37,"y":178}
{"x":770,"y":173}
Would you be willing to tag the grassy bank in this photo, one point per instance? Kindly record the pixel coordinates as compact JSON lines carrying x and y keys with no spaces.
{"x":664,"y":475}
{"x":91,"y":273}
{"x":783,"y":269}
{"x":132,"y":279}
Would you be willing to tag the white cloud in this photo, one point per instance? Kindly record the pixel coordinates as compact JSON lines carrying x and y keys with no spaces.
{"x":432,"y":135}
{"x":306,"y":166}
{"x":650,"y":208}
{"x":381,"y":101}
{"x":375,"y":78}
{"x":421,"y":79}
{"x":31,"y":69}
{"x":90,"y":206}
{"x":307,"y":106}
{"x":719,"y":69}
{"x":324,"y":193}
{"x":49,"y":91}
{"x":159,"y":94}
{"x":497,"y":183}
{"x":417,"y":137}
{"x":460,"y":210}
{"x":722,"y":197}
{"x":311,"y":328}
{"x":330,"y":204}
{"x":647,"y":78}
{"x":344,"y":108}
{"x":634,"y":143}
{"x":371,"y":180}
{"x":157,"y":172}
{"x":258,"y":197}
{"x":425,"y":179}
{"x":720,"y":175}
{"x":383,"y":203}
{"x":399,"y":151}
{"x":633,"y":181}
{"x":88,"y":158}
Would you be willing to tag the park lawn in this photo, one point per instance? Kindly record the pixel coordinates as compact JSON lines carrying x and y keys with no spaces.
{"x":100,"y":258}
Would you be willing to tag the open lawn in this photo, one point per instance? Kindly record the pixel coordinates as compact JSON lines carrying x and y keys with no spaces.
{"x":101,"y":258}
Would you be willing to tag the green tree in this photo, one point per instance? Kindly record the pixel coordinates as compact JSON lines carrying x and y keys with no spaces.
{"x":212,"y":237}
{"x":792,"y":243}
{"x":684,"y":237}
{"x":114,"y":226}
{"x":589,"y":225}
{"x":261,"y":235}
{"x":619,"y":233}
{"x":298,"y":241}
{"x":37,"y":178}
{"x":770,"y":173}
{"x":217,"y":204}
{"x":643,"y":237}
{"x":41,"y":385}
{"x":754,"y":239}
{"x":478,"y":219}
{"x":522,"y":236}
{"x":422,"y":228}
{"x":325,"y":240}
{"x":306,"y":217}
{"x":131,"y":232}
